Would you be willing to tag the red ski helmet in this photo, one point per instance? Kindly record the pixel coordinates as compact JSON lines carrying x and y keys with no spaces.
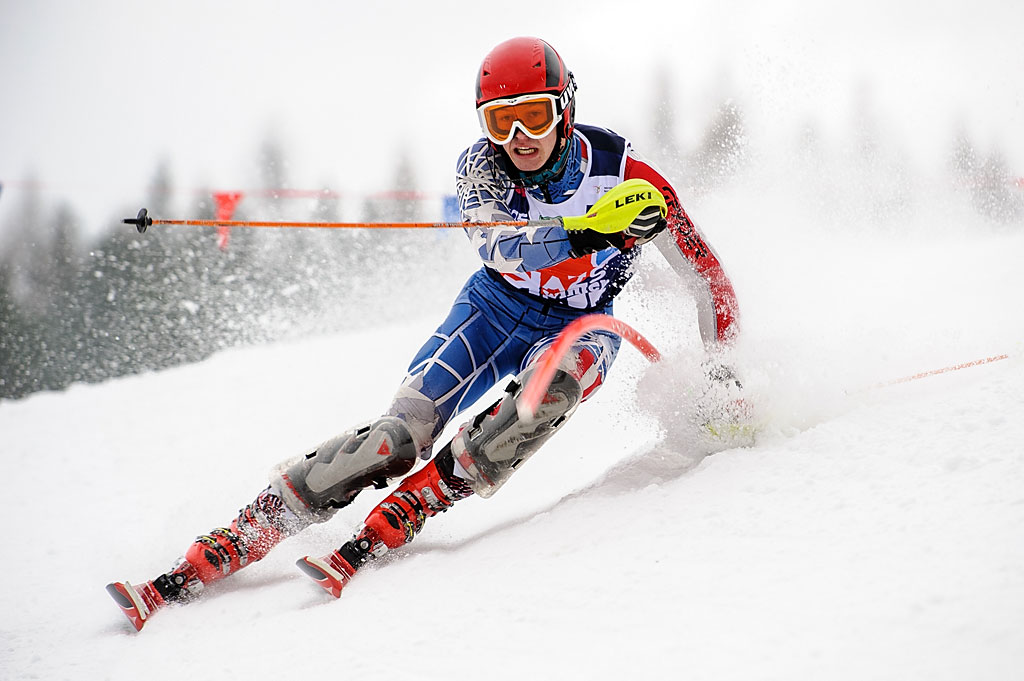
{"x":523,"y":66}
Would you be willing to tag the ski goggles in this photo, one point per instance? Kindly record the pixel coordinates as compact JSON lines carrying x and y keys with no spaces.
{"x":534,"y":114}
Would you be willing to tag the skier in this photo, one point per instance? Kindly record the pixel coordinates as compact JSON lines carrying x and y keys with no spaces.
{"x":533,"y":162}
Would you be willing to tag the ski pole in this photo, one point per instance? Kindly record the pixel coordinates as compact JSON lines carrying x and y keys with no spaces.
{"x":615,"y":209}
{"x":142,"y":222}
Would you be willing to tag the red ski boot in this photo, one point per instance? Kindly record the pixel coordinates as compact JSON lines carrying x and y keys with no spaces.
{"x":259,"y":527}
{"x":138,"y":603}
{"x":392,"y":523}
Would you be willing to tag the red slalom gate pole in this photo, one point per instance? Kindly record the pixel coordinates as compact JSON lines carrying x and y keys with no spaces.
{"x":944,"y":370}
{"x":226,"y":203}
{"x":548,"y":364}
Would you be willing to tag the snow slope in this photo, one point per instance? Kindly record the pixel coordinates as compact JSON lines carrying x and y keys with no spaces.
{"x":870,"y":533}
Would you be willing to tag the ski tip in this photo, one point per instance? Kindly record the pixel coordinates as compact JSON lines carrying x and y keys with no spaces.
{"x":323,"y":574}
{"x":129,"y":602}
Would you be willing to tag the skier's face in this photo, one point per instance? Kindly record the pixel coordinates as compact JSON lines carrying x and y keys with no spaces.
{"x":530,"y":155}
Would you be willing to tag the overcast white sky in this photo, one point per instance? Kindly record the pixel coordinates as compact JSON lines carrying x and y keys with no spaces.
{"x":94,"y":94}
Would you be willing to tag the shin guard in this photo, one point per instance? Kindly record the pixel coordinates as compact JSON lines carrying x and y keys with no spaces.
{"x":494,"y":444}
{"x":314,"y":486}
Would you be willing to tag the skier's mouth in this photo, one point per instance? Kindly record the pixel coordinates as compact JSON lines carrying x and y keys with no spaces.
{"x":525,"y":151}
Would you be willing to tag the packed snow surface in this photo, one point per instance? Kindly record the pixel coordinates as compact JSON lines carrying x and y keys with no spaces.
{"x":872,"y":531}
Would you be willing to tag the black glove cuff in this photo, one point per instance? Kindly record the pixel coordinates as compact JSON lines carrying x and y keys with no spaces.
{"x":643,"y":236}
{"x":586,"y":241}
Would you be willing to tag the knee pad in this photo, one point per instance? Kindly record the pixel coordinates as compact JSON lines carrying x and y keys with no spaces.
{"x":314,"y":486}
{"x":497,"y":442}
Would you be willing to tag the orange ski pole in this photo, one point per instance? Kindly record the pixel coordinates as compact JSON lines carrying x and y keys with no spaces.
{"x":142,"y":222}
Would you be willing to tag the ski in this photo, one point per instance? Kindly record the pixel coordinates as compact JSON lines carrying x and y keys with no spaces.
{"x":131,"y":603}
{"x":328,"y":572}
